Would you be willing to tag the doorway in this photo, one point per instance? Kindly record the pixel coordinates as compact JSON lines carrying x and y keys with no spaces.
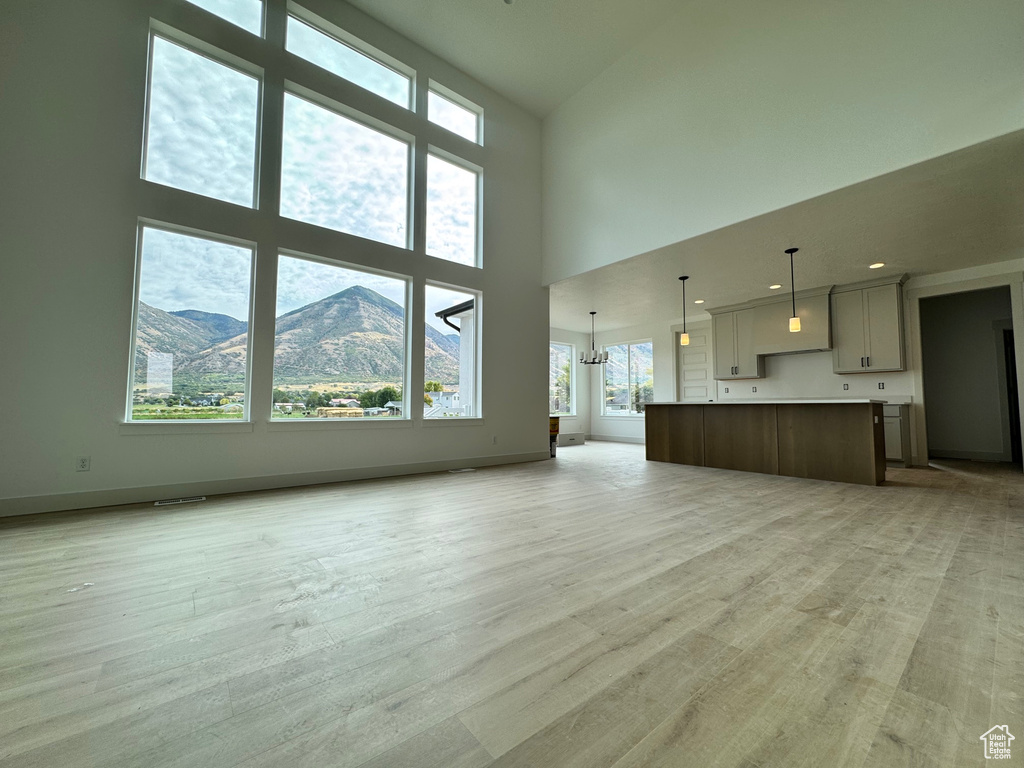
{"x":969,"y":376}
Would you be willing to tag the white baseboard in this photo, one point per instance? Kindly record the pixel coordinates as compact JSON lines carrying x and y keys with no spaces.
{"x":30,"y":505}
{"x":618,"y":439}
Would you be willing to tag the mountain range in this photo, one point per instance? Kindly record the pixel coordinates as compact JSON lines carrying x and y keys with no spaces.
{"x":355,"y":335}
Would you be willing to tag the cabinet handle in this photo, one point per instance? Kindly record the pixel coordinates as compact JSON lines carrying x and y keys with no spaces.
{"x":869,"y":361}
{"x":862,"y":362}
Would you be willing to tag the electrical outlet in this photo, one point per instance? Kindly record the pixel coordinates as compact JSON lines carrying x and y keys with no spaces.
{"x":881,"y":385}
{"x":83,"y":463}
{"x":753,"y":389}
{"x":846,"y":386}
{"x":727,"y":390}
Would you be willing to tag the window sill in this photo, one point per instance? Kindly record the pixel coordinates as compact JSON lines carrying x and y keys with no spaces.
{"x":298,"y":425}
{"x":623,"y":416}
{"x":209,"y":427}
{"x":452,"y":421}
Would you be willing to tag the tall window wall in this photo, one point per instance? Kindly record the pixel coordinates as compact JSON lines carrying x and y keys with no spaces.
{"x":296,"y":157}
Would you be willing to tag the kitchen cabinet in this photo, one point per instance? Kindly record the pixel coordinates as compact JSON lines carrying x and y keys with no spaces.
{"x":867,"y":329}
{"x":734,"y":342}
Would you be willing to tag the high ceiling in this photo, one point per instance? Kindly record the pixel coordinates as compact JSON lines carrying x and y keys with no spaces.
{"x":961,"y":210}
{"x":535,"y":52}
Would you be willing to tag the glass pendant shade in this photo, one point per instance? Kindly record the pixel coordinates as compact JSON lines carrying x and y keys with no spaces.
{"x":684,"y":339}
{"x":794,"y":325}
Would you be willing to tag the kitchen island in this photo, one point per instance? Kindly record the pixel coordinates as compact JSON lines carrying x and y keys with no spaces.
{"x":841,"y":440}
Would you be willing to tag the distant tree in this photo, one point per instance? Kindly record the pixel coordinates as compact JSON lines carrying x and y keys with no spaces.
{"x":368,"y":399}
{"x":224,"y":401}
{"x":427,"y":399}
{"x":433,"y":386}
{"x":386,"y":395}
{"x":280,"y":396}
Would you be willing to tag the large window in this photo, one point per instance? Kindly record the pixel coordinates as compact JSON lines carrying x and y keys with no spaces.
{"x":339,"y":342}
{"x":191,"y":330}
{"x":319,"y":168}
{"x":202,"y":126}
{"x":450,"y":347}
{"x":628,"y":378}
{"x":341,"y":174}
{"x":560,"y":380}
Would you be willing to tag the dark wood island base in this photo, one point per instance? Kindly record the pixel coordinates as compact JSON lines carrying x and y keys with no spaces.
{"x":840,"y":440}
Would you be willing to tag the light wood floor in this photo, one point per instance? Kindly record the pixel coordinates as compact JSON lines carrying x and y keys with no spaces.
{"x":593,"y":611}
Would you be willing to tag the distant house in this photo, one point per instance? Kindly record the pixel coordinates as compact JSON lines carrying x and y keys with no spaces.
{"x":344,"y":402}
{"x":446,"y":399}
{"x":393,"y":408}
{"x":232,"y":408}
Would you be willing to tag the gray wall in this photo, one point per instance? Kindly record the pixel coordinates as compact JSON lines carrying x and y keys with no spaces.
{"x":965,"y":375}
{"x":72,"y":99}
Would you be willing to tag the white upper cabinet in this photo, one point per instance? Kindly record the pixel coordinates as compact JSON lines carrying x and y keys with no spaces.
{"x":867,"y":329}
{"x":735,"y":347}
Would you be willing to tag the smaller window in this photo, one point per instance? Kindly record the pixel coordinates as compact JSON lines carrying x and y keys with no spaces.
{"x":628,"y":379}
{"x":344,"y":60}
{"x":560,"y":380}
{"x":452,"y":211}
{"x":247,"y":14}
{"x":443,"y":111}
{"x":191,"y":329}
{"x":450,"y":366}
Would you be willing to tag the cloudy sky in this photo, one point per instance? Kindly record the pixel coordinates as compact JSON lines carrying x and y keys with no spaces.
{"x":336,"y":173}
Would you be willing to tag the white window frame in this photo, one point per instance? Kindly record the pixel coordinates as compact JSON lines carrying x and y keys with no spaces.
{"x":479,"y":222}
{"x":630,"y":414}
{"x":219,"y":56}
{"x":407,"y":372}
{"x":143,"y":224}
{"x":572,"y":378}
{"x":459,"y":101}
{"x":349,"y":40}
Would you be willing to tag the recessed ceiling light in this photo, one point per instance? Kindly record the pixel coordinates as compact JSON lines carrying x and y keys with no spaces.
{"x":877,"y":265}
{"x":774,"y":287}
{"x":699,"y":301}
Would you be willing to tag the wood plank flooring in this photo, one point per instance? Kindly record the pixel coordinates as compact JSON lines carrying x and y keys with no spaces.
{"x":596,"y":611}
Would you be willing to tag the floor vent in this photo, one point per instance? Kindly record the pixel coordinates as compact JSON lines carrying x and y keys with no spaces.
{"x":186,"y":500}
{"x":459,"y":471}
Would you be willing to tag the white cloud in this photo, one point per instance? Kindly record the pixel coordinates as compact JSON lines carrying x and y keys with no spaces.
{"x":202,"y":125}
{"x":185,"y":272}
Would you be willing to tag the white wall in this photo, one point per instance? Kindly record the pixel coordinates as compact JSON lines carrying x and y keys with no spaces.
{"x":72,"y":97}
{"x":582,"y":392}
{"x":964,"y":374}
{"x":734,"y":108}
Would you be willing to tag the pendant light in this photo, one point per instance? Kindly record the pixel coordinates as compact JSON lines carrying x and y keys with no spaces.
{"x":595,"y":358}
{"x":794,"y":321}
{"x":684,"y":337}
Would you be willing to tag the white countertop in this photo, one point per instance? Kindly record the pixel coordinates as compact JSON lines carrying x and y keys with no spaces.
{"x":838,"y":401}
